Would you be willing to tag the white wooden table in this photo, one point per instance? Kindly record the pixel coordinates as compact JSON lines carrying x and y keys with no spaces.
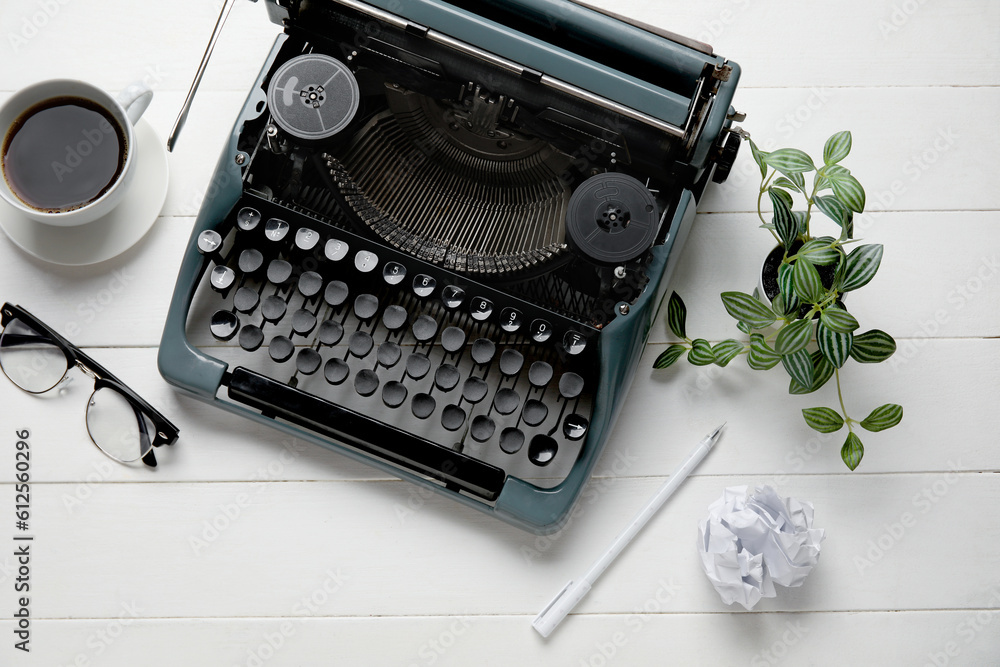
{"x":245,"y":548}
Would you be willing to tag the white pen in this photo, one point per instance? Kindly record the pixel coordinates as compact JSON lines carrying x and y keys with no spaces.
{"x":573,"y":592}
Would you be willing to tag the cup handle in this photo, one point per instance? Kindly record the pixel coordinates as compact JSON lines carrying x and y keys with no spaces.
{"x":134,"y":99}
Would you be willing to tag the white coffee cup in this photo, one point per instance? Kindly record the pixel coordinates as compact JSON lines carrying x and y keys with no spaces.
{"x":125,"y":110}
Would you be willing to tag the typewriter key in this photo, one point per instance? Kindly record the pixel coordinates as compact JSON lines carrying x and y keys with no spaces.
{"x":209,"y":241}
{"x":452,"y":417}
{"x":365,"y":307}
{"x":247,"y":218}
{"x":542,"y":450}
{"x":224,"y":325}
{"x":306,"y":239}
{"x":251,"y":338}
{"x":330,"y":332}
{"x":423,"y":406}
{"x":575,"y":426}
{"x":539,"y":374}
{"x":281,"y":349}
{"x":474,"y":390}
{"x":276,"y":230}
{"x":446,"y":377}
{"x":279,"y":271}
{"x":393,"y":394}
{"x":534,"y":412}
{"x":570,"y":385}
{"x":273,"y":308}
{"x":245,"y":299}
{"x":574,"y":343}
{"x":425,"y":328}
{"x":423,"y":285}
{"x":480,"y":308}
{"x":483,"y":428}
{"x":393,"y":273}
{"x":308,"y":361}
{"x":336,"y":371}
{"x":222,"y":278}
{"x":506,"y":401}
{"x":389,"y":354}
{"x":417,"y":366}
{"x":483,"y":350}
{"x":360,"y":344}
{"x":335,"y":250}
{"x":511,"y":362}
{"x":541,"y":331}
{"x":365,"y":261}
{"x":251,"y":260}
{"x":511,"y":440}
{"x":511,"y":320}
{"x":453,"y":339}
{"x":336,"y":293}
{"x":310,"y":283}
{"x":303,"y":322}
{"x":366,"y":382}
{"x":452,"y":297}
{"x":394,"y":318}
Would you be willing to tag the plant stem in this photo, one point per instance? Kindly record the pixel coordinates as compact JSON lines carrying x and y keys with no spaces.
{"x":840,"y":395}
{"x":760,"y":197}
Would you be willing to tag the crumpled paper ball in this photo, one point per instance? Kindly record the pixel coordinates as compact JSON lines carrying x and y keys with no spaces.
{"x":748,"y":543}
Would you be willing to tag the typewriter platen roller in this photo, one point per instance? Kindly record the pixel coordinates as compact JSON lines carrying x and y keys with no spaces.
{"x":439,"y":233}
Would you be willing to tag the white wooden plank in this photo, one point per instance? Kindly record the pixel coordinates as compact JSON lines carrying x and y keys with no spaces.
{"x":665,"y":413}
{"x":404,"y":554}
{"x":860,"y":638}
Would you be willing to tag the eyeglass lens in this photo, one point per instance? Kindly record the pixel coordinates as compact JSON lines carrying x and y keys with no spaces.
{"x":31,"y":361}
{"x":124,"y":433}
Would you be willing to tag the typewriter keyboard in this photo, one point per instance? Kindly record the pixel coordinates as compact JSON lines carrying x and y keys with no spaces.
{"x":454,"y":379}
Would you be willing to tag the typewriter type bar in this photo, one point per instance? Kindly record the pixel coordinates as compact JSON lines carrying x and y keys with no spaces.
{"x":440,"y":232}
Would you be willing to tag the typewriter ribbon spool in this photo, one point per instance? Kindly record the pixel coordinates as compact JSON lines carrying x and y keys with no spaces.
{"x":313,"y":97}
{"x":612,"y":218}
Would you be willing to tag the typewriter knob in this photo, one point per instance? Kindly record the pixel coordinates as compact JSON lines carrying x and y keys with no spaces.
{"x":612,"y":218}
{"x":727,"y":159}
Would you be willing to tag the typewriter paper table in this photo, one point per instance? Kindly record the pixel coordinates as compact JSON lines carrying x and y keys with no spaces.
{"x":248,"y":548}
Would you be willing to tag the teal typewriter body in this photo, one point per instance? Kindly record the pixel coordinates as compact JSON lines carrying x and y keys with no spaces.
{"x":439,"y":233}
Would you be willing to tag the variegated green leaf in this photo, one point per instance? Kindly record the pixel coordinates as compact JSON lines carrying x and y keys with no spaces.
{"x":747,"y":309}
{"x":835,"y":170}
{"x":791,"y":182}
{"x":834,"y":345}
{"x":775,"y":191}
{"x":799,"y":366}
{"x":837,"y":147}
{"x":785,"y":304}
{"x":822,"y":372}
{"x":701,"y":352}
{"x":677,"y":315}
{"x":668,"y":357}
{"x":849,"y":191}
{"x":784,"y":222}
{"x":726,"y":351}
{"x":872,"y":347}
{"x":758,"y":157}
{"x":802,"y":222}
{"x":862,"y":264}
{"x":820,"y":252}
{"x":793,"y":337}
{"x":823,"y":420}
{"x":852,"y":451}
{"x":807,"y":283}
{"x":761,"y":356}
{"x":837,"y":319}
{"x":789,"y":161}
{"x":883,"y":417}
{"x":744,"y":327}
{"x":786,"y":278}
{"x":834,"y":209}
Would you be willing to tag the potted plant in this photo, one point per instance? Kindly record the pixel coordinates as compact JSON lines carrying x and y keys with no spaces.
{"x":797,"y":317}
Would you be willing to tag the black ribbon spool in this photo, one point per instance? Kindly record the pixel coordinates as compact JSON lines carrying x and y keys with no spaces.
{"x":612,"y":219}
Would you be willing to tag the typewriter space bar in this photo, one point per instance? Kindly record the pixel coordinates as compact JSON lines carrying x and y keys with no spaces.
{"x":385,"y":441}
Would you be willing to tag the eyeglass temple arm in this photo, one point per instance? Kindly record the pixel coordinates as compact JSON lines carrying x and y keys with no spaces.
{"x":148,"y":458}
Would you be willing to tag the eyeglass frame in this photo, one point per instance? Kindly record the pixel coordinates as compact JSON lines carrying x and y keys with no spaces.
{"x":165,"y":432}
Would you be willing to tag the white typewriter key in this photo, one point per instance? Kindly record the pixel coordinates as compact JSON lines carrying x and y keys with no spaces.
{"x":276,"y":229}
{"x":423,"y":285}
{"x":541,"y":331}
{"x":209,"y":241}
{"x":452,"y":297}
{"x":306,"y":239}
{"x":393,"y":273}
{"x":336,"y":250}
{"x":511,"y":320}
{"x":248,"y":218}
{"x":365,"y":261}
{"x":574,"y":342}
{"x":481,"y":308}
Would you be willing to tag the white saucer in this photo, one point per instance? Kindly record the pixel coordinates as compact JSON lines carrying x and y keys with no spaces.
{"x":105,"y":237}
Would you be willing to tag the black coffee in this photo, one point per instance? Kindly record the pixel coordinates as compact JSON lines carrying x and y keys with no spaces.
{"x":63,"y":153}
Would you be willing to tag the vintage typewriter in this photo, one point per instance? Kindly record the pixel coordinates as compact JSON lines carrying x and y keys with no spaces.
{"x":439,"y":234}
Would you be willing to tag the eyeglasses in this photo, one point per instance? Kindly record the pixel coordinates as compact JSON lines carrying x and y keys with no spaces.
{"x":37,"y":360}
